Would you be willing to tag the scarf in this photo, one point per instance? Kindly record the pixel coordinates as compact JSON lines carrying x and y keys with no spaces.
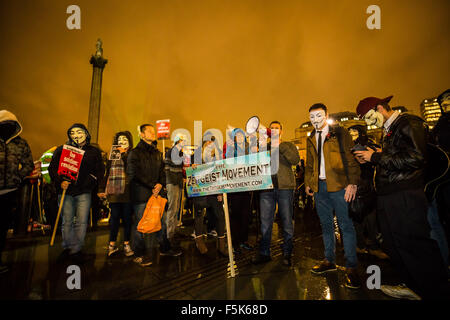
{"x":116,"y":178}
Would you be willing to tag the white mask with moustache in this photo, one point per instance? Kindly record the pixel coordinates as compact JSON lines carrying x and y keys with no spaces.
{"x":317,"y":118}
{"x":78,"y":135}
{"x":374,"y":118}
{"x":123,"y":142}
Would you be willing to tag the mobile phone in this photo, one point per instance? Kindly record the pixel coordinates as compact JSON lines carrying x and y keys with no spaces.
{"x":358,"y":147}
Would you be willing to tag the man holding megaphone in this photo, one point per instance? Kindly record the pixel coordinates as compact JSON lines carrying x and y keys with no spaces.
{"x":284,"y":155}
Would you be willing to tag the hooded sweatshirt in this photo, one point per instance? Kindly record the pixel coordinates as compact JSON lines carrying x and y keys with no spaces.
{"x":91,"y":168}
{"x":16,"y":161}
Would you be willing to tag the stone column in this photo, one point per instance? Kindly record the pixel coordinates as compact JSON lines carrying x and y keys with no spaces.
{"x":98,"y":64}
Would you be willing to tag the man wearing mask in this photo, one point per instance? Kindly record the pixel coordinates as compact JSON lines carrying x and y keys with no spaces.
{"x":145,"y":172}
{"x":401,"y":202}
{"x":331,"y":176}
{"x":77,"y":201}
{"x":16,"y":163}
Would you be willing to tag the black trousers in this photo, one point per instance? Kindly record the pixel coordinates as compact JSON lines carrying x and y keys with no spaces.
{"x":239,"y":203}
{"x":200,"y":206}
{"x":402,"y":217}
{"x":366,"y":232}
{"x":8,"y":205}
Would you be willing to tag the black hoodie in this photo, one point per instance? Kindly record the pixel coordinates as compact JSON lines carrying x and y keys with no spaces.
{"x":91,"y":169}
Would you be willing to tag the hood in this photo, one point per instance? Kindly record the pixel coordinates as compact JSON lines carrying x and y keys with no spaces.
{"x":82,"y":126}
{"x":10,"y":127}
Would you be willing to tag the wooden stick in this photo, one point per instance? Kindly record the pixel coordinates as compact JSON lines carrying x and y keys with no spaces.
{"x":230,"y":246}
{"x":57,"y":217}
{"x":40,"y":207}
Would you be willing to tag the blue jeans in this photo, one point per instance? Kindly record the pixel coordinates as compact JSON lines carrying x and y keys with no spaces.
{"x":437,"y":231}
{"x":143,"y":244}
{"x":124,"y":211}
{"x":326,"y":202}
{"x":267,"y":201}
{"x":75,"y":214}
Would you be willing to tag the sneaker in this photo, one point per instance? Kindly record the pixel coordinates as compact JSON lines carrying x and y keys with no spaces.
{"x":323,"y":267}
{"x":261,"y":259}
{"x":172,"y":253}
{"x":213,"y":233}
{"x":379,"y":254}
{"x":3,"y":269}
{"x":400,"y":292}
{"x":127,"y":250}
{"x":138,"y":260}
{"x":143,"y":262}
{"x":246,"y":246}
{"x":287,"y":261}
{"x":352,"y":280}
{"x":361,"y":251}
{"x":112,"y":250}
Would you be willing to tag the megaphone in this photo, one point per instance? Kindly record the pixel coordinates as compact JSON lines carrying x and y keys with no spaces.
{"x":253,"y":124}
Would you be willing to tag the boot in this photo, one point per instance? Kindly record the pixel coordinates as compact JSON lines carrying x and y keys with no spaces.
{"x":201,"y":246}
{"x":222,"y":246}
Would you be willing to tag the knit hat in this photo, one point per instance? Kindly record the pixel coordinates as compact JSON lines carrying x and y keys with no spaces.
{"x":369,"y":103}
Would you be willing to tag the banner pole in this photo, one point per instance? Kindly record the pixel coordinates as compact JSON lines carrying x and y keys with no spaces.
{"x":57,"y":217}
{"x":182,"y":205}
{"x":230,"y":246}
{"x":40,"y":206}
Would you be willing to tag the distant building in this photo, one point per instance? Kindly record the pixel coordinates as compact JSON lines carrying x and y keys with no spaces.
{"x":430,"y":111}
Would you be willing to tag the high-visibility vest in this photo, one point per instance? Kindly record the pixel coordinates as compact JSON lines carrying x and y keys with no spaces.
{"x":45,"y":159}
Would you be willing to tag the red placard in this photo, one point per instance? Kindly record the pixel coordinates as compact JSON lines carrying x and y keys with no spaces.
{"x":70,"y":162}
{"x":163,"y":129}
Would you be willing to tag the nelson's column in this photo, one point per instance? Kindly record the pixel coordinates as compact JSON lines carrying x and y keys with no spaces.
{"x":98,"y":64}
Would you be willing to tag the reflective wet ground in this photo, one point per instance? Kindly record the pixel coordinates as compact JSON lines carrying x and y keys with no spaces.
{"x":38,"y":272}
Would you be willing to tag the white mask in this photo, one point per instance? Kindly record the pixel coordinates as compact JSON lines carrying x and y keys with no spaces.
{"x":78,"y":135}
{"x":123,"y":142}
{"x":317,"y":118}
{"x":354,"y":133}
{"x":374,"y":118}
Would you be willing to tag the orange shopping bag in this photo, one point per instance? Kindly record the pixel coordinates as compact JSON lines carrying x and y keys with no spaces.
{"x":151,"y":219}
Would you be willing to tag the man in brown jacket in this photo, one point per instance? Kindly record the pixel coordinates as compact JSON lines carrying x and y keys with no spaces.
{"x":331,"y":176}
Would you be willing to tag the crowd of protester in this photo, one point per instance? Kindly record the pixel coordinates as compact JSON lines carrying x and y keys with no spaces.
{"x":375,"y":190}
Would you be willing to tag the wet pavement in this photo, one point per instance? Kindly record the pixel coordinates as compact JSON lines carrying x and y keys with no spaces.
{"x":39,"y":273}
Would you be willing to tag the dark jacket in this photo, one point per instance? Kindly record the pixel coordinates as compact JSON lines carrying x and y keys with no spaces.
{"x":441,"y":132}
{"x":145,"y":169}
{"x":336,"y":176}
{"x":91,"y":169}
{"x":174,"y":172}
{"x":401,"y":164}
{"x":125,"y":196}
{"x":16,"y":161}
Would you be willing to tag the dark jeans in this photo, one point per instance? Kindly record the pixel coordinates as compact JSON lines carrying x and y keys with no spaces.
{"x":8,"y":204}
{"x":200,"y":206}
{"x":239,"y":203}
{"x":366,"y":232}
{"x":268,"y":199}
{"x":406,"y":233}
{"x":326,"y":202}
{"x":143,"y":243}
{"x":119,"y":211}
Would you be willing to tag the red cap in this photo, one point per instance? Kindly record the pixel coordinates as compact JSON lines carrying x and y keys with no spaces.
{"x":365,"y":105}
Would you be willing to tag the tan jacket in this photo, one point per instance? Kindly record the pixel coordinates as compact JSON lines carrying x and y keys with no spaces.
{"x":334,"y":167}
